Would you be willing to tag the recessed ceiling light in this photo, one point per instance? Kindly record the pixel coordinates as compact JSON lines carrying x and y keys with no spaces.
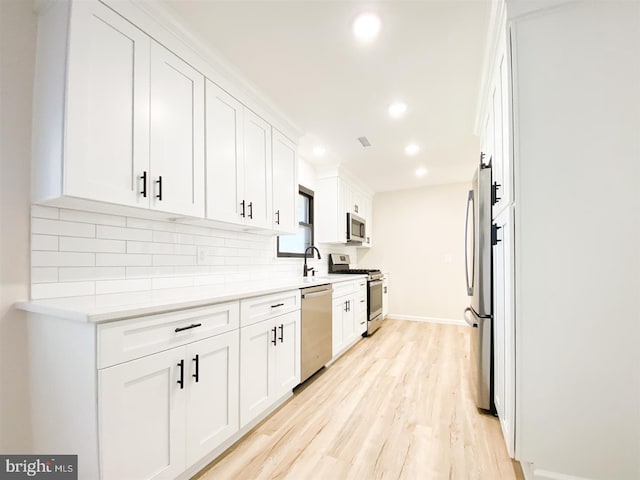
{"x":366,"y":26}
{"x":421,"y":172}
{"x":319,"y":151}
{"x":396,"y":110}
{"x":412,"y":149}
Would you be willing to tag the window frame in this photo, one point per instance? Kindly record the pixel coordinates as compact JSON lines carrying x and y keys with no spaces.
{"x":307,"y":192}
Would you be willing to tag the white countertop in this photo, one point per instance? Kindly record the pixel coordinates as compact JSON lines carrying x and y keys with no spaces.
{"x":107,"y":308}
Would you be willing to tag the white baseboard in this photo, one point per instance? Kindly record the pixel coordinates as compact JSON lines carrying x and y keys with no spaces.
{"x":532,"y":473}
{"x":417,"y":318}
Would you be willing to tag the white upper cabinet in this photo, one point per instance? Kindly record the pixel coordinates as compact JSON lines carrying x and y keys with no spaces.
{"x":336,"y":197}
{"x":177,"y":135}
{"x":121,"y":120}
{"x":285,"y":184}
{"x":107,"y":131}
{"x":225,"y":167}
{"x":239,"y":163}
{"x":257,"y":171}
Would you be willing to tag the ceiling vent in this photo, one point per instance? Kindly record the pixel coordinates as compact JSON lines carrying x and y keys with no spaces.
{"x":364,"y":141}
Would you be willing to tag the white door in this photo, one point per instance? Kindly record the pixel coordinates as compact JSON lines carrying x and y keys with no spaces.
{"x":107,"y":130}
{"x":212,"y":396}
{"x":504,"y":331}
{"x":177,"y":135}
{"x":141,"y":418}
{"x":285,"y":184}
{"x":257,"y":171}
{"x":224,"y":158}
{"x":257,"y":344}
{"x":287,"y":362}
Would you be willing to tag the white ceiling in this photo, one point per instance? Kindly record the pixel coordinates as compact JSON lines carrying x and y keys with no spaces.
{"x":302,"y":55}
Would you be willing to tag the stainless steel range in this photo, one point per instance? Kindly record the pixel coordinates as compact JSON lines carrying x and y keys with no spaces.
{"x":339,"y":263}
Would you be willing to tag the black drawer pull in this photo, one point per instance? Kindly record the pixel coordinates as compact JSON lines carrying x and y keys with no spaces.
{"x":274,"y":330}
{"x":193,"y":325}
{"x":159,"y":182}
{"x":243,"y":212}
{"x":251,"y":210}
{"x":277,"y":305}
{"x":281,"y":337}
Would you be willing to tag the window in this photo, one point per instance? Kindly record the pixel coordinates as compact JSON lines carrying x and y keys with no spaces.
{"x":295,"y":245}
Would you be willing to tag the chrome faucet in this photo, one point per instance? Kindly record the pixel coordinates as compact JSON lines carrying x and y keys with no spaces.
{"x":306,"y":270}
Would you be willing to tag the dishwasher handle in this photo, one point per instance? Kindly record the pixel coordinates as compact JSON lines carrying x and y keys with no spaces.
{"x":317,"y":294}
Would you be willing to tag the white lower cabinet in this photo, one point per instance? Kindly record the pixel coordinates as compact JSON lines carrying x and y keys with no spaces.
{"x":269,"y":363}
{"x":348,"y":314}
{"x":162,"y":413}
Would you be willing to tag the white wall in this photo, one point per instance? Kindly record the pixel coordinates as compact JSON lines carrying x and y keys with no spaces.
{"x":17,"y":53}
{"x":419,"y":239}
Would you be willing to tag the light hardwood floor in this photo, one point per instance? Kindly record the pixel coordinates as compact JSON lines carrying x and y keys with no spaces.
{"x":397,"y":405}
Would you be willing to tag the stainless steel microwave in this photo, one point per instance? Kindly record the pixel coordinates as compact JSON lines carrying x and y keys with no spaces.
{"x":356,"y":228}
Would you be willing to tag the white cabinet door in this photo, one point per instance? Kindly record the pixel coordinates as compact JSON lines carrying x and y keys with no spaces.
{"x":141,"y":424}
{"x":257,"y":171}
{"x":339,"y":308}
{"x":224,"y":157}
{"x":349,"y":320}
{"x":257,"y":342}
{"x":212,"y":396}
{"x":107,"y":114}
{"x":504,"y":332}
{"x":177,"y":135}
{"x":287,"y":352}
{"x":285,"y":184}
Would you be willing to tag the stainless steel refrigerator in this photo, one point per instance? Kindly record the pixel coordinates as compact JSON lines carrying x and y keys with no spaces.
{"x":478,"y":263}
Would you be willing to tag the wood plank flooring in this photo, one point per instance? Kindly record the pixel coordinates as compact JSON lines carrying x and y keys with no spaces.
{"x":396,"y":406}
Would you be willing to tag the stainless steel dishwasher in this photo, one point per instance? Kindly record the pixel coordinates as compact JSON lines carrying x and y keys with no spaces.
{"x":315,"y":331}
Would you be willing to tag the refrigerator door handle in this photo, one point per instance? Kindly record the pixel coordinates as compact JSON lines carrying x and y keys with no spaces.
{"x":470,"y":318}
{"x":470,"y":278}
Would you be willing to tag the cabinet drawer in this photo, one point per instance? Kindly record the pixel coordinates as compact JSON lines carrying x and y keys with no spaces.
{"x":253,"y":310}
{"x":346,"y":288}
{"x":129,"y":339}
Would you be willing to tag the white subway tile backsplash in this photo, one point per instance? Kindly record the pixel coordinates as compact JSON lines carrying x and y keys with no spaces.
{"x":44,"y":242}
{"x":122,"y":259}
{"x":151,"y":248}
{"x":60,"y":259}
{"x":73,"y":274}
{"x":149,"y":272}
{"x":84,"y":253}
{"x":160,"y":260}
{"x":122,"y":233}
{"x":73,"y":244}
{"x":62,"y":228}
{"x":44,"y":274}
{"x":165,"y":237}
{"x":56,"y":290}
{"x":118,"y":286}
{"x":91,"y":217}
{"x":171,"y":282}
{"x":40,"y":211}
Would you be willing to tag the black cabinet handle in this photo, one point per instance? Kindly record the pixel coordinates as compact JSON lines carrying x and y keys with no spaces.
{"x":385,"y":289}
{"x":196,"y":375}
{"x":193,"y":325}
{"x":277,"y":217}
{"x":494,"y":234}
{"x":181,"y":381}
{"x":144,"y":184}
{"x":346,"y":308}
{"x":494,"y":193}
{"x":274,"y":341}
{"x":281,"y":337}
{"x":251,"y":210}
{"x":242,"y":204}
{"x":362,"y":301}
{"x":277,"y":305}
{"x":355,"y":207}
{"x":159,"y":182}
